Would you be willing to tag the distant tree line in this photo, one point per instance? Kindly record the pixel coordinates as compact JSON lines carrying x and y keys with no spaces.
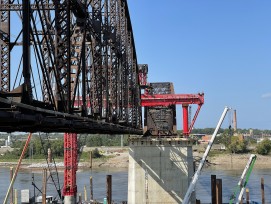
{"x":236,"y":144}
{"x":209,"y":131}
{"x":38,"y":148}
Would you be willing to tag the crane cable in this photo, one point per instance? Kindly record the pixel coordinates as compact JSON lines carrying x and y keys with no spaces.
{"x":55,"y":182}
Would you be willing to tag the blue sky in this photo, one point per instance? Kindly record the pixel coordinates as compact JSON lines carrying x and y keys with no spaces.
{"x":221,"y":48}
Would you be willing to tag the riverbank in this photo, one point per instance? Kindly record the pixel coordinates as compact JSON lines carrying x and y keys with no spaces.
{"x":117,"y":157}
{"x":237,"y":161}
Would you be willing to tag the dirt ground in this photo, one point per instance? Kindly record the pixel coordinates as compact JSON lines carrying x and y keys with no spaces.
{"x":119,"y":158}
{"x":239,"y":161}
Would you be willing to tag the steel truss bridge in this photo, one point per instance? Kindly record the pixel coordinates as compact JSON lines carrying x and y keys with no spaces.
{"x":70,"y":66}
{"x":55,"y":53}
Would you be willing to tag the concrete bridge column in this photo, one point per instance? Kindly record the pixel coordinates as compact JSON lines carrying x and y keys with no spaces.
{"x":159,"y":170}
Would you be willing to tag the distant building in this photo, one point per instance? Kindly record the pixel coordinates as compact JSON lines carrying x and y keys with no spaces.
{"x":205,"y":139}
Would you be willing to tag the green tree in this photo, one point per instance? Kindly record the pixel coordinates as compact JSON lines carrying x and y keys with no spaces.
{"x":264,"y":147}
{"x":237,"y":145}
{"x":224,"y":138}
{"x":233,"y":144}
{"x":57,"y":147}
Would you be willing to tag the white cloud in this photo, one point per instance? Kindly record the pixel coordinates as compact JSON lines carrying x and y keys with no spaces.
{"x":266,"y":95}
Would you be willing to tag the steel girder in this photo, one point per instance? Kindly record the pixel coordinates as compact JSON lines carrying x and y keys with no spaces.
{"x":5,"y":48}
{"x":73,"y":51}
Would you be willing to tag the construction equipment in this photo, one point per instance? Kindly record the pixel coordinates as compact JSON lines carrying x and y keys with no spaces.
{"x":197,"y":173}
{"x":70,"y":163}
{"x":243,"y":180}
{"x":160,"y":99}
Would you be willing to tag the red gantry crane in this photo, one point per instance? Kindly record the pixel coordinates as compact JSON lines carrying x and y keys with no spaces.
{"x":151,"y":100}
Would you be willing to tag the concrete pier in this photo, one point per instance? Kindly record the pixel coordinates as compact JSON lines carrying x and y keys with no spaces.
{"x":159,"y":170}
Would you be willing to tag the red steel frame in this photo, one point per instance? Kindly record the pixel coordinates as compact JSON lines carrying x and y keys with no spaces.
{"x":148,"y":100}
{"x":70,"y":163}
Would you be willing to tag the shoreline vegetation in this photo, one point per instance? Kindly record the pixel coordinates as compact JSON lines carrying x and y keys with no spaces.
{"x":107,"y":152}
{"x":117,"y":157}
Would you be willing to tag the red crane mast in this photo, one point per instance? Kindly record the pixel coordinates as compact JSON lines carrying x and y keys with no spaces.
{"x":71,"y":165}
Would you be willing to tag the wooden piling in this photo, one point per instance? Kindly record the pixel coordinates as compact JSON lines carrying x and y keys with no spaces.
{"x":85,"y":193}
{"x":15,"y":196}
{"x":44,"y":185}
{"x":213,"y":188}
{"x":11,"y":190}
{"x":79,"y":198}
{"x":247,"y":196}
{"x":109,"y":189}
{"x":219,"y":191}
{"x":91,"y":188}
{"x":262,"y":190}
{"x":90,"y":159}
{"x":197,"y":201}
{"x":49,"y":152}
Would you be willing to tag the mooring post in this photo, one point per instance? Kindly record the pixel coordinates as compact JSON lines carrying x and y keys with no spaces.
{"x":219,"y":191}
{"x":79,"y":198}
{"x":109,"y":189}
{"x":91,"y":188}
{"x":49,"y":155}
{"x":197,"y":201}
{"x":90,"y":159}
{"x":213,"y":188}
{"x":44,"y":185}
{"x":85,"y":193}
{"x":11,"y":190}
{"x":247,"y":195}
{"x":262,"y":189}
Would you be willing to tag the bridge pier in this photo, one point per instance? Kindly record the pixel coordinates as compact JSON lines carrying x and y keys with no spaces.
{"x":160,"y":170}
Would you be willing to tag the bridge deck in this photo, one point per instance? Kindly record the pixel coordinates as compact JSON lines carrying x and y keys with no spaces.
{"x":21,"y":117}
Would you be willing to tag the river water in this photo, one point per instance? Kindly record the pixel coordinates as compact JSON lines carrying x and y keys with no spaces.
{"x":229,"y":178}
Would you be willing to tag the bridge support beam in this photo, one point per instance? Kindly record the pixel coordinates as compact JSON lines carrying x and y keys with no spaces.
{"x":160,"y":170}
{"x":185,"y":120}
